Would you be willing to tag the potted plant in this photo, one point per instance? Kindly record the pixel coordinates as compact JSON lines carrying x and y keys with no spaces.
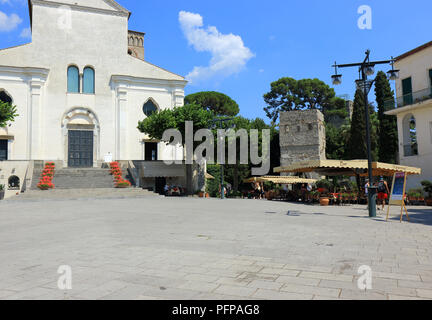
{"x":427,"y":187}
{"x":323,"y":187}
{"x":122,"y":184}
{"x":2,"y":191}
{"x":415,"y":195}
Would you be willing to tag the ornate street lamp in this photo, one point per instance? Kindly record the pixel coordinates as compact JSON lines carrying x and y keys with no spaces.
{"x":336,"y":78}
{"x":370,"y":70}
{"x":366,"y":68}
{"x":393,"y":74}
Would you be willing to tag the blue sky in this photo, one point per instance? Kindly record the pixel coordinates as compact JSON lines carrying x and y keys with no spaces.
{"x":265,"y":40}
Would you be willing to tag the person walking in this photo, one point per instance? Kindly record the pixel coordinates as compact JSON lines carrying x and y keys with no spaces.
{"x":383,"y":192}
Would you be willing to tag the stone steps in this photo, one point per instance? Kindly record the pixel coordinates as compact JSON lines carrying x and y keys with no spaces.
{"x":75,"y":178}
{"x":82,"y":194}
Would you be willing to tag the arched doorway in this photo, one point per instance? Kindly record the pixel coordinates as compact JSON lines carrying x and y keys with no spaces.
{"x":81,"y":133}
{"x":14,"y":183}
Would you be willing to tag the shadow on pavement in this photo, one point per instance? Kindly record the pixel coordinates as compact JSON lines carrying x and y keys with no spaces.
{"x":419,"y":216}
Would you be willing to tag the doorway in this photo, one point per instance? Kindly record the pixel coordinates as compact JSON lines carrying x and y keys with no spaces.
{"x":151,"y":151}
{"x":160,"y":185}
{"x":3,"y":150}
{"x":80,"y":149}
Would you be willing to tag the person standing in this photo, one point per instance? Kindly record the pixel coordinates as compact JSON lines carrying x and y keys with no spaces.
{"x":366,"y":189}
{"x":367,"y":185}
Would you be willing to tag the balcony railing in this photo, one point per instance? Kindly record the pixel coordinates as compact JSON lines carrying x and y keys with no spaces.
{"x":411,"y":150}
{"x":409,"y":99}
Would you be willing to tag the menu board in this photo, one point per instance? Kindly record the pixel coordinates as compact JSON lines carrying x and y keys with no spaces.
{"x":397,"y":196}
{"x":398,"y":188}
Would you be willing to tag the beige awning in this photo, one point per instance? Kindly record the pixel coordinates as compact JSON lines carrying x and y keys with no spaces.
{"x":280,"y":180}
{"x":347,"y":167}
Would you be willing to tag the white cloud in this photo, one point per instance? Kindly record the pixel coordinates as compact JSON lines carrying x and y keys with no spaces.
{"x":21,"y":2}
{"x":229,"y":54}
{"x":9,"y":23}
{"x":26,"y":33}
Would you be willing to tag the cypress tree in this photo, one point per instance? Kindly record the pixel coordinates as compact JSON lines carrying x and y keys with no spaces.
{"x":357,"y":142}
{"x":357,"y":146}
{"x":388,"y":134}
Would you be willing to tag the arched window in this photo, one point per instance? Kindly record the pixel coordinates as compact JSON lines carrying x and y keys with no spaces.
{"x":410,"y":136}
{"x":89,"y":80}
{"x":149,"y":108}
{"x":4,"y":97}
{"x":73,"y":80}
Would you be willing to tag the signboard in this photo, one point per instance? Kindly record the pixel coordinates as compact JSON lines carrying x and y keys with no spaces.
{"x":108,"y":158}
{"x":397,"y":196}
{"x":398,"y":188}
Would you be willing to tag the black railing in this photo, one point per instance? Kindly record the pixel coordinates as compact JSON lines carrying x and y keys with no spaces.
{"x":409,"y":99}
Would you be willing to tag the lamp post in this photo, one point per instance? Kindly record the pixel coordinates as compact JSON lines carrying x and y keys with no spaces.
{"x":367,"y":68}
{"x":218,"y":124}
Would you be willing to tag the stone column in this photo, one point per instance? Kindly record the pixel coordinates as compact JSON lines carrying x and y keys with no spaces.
{"x":178,"y":97}
{"x":35,"y":122}
{"x":121,"y":125}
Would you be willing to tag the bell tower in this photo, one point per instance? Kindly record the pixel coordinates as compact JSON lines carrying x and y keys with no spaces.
{"x":136,"y":44}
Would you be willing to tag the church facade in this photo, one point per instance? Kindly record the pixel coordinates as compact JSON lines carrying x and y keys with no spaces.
{"x":81,"y":86}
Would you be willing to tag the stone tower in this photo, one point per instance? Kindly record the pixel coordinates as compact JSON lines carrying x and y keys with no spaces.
{"x":136,"y":44}
{"x":302,"y":136}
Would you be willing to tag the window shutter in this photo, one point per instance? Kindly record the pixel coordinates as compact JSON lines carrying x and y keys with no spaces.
{"x":89,"y":81}
{"x":73,"y":79}
{"x":406,"y":86}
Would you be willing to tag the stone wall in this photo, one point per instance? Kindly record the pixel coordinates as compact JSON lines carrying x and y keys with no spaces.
{"x":9,"y":169}
{"x":302,"y":136}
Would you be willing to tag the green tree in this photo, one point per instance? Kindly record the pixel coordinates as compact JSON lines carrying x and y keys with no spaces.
{"x":220,"y":104}
{"x":236,"y":173}
{"x":8,"y":113}
{"x":357,"y":144}
{"x":336,"y":141}
{"x":156,"y":124}
{"x":388,"y":134}
{"x":337,"y":108}
{"x":288,"y":94}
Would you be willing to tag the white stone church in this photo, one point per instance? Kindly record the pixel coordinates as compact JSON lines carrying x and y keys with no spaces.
{"x":81,"y":86}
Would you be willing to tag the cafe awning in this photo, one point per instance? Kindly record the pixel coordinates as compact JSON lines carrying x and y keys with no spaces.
{"x":280,"y":180}
{"x":347,"y":168}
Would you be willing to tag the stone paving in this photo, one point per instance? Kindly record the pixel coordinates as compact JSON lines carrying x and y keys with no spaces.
{"x":189,"y":248}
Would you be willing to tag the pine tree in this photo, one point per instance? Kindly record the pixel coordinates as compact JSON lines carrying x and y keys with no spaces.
{"x":388,"y":134}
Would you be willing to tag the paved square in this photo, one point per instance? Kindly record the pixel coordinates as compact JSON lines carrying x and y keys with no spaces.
{"x":188,"y":248}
